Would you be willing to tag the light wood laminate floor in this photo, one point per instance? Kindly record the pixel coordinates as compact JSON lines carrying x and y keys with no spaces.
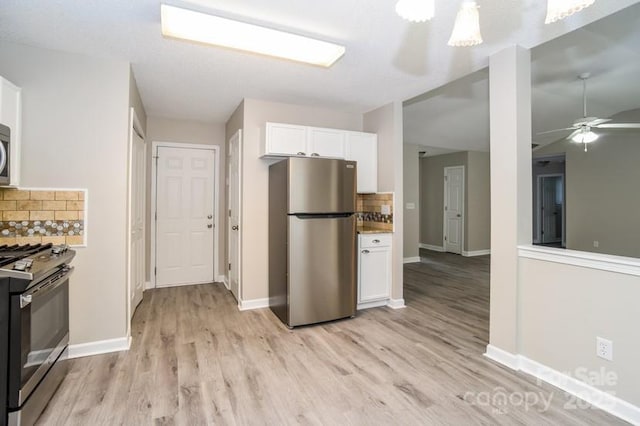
{"x":195,"y":359}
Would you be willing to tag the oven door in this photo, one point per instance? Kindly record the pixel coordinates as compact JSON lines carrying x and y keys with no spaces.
{"x":39,"y":333}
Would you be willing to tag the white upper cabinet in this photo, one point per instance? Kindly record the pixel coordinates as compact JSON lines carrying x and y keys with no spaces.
{"x":285,"y":140}
{"x":11,"y":116}
{"x":363,"y":148}
{"x":328,"y":143}
{"x":288,"y":140}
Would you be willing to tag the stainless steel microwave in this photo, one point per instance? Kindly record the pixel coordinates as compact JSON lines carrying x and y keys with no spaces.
{"x":5,"y":155}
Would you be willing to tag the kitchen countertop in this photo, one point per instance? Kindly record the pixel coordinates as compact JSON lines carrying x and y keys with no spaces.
{"x":364,"y":229}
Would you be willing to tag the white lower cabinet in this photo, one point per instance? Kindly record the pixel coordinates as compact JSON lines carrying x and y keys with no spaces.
{"x":374,"y":270}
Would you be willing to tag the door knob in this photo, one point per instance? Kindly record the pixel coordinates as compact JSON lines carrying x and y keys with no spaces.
{"x":209,"y":226}
{"x":234,"y":227}
{"x":210,"y":216}
{"x":458,"y":215}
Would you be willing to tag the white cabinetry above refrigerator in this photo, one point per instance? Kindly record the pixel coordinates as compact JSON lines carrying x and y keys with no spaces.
{"x":290,"y":140}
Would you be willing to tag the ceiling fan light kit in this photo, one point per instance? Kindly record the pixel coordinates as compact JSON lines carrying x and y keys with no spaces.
{"x":466,"y":30}
{"x":416,"y":10}
{"x":560,"y":9}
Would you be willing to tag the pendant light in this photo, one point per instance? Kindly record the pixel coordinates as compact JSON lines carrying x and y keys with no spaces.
{"x":560,"y":9}
{"x":466,"y":30}
{"x":416,"y":10}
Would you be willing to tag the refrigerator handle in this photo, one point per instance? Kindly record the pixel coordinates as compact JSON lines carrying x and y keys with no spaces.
{"x":304,"y":216}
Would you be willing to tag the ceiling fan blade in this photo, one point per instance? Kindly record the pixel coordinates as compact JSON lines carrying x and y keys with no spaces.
{"x":619,"y":126}
{"x":557,"y":130}
{"x":597,"y":122}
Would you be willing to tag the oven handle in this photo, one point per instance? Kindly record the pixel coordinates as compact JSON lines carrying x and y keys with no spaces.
{"x":51,"y":284}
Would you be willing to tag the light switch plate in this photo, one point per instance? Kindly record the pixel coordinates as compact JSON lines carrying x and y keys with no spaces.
{"x":385,"y":209}
{"x":411,"y":206}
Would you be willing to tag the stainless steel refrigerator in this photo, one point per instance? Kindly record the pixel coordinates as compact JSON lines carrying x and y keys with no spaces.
{"x":312,"y":240}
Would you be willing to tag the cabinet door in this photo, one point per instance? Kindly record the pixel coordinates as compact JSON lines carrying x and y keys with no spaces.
{"x":285,"y":139}
{"x":363,"y":148}
{"x":326,"y":142}
{"x":11,"y":116}
{"x":374,"y":274}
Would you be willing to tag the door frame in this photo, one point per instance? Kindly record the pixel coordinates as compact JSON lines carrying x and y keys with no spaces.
{"x":134,"y":126}
{"x":444,"y":208}
{"x":240,"y":226}
{"x":154,"y":188}
{"x":538,"y":210}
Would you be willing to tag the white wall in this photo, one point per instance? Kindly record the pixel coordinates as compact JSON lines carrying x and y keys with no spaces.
{"x":386,"y":121}
{"x":194,"y":132}
{"x":255,"y":189}
{"x":75,"y":135}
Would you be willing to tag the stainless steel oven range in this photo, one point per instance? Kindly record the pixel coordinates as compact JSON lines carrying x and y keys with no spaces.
{"x":34,"y":328}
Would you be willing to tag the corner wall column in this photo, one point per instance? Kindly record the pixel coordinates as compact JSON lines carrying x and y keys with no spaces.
{"x":511,"y":202}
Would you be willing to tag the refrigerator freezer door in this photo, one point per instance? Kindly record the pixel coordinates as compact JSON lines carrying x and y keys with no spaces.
{"x":322,"y":269}
{"x":318,"y":185}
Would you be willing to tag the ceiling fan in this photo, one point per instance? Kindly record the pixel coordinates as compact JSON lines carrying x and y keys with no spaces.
{"x":582,"y":132}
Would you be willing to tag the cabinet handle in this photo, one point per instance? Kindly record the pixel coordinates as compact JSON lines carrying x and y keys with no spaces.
{"x":315,"y":154}
{"x":301,"y":153}
{"x":365,"y":251}
{"x":375,"y":241}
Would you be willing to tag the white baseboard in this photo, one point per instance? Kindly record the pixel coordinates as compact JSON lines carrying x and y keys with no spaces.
{"x":247,"y":305}
{"x":581,"y":390}
{"x":411,"y":259}
{"x":100,"y":347}
{"x":396,"y":304}
{"x":433,"y":248}
{"x":148,"y":285}
{"x":476,"y":253}
{"x":374,"y":304}
{"x":503,"y":357}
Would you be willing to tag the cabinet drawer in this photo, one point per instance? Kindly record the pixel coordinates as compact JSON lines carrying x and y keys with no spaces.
{"x":375,"y":240}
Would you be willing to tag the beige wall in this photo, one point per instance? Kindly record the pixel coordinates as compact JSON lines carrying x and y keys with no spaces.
{"x":603,"y":182}
{"x":478,"y":209}
{"x":192,"y":132}
{"x":75,"y":135}
{"x":411,"y":184}
{"x":432,"y":195}
{"x":386,"y":121}
{"x":255,"y":175}
{"x":563,"y":308}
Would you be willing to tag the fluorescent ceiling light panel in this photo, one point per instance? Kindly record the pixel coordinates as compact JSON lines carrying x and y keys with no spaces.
{"x":201,"y":27}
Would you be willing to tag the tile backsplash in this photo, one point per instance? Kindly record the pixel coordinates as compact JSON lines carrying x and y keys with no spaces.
{"x":371,"y":211}
{"x":42,"y":216}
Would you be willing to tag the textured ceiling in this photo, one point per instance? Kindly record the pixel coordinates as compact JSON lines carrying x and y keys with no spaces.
{"x":387,"y":58}
{"x":457,"y":114}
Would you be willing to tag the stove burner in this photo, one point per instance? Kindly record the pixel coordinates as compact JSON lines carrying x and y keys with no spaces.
{"x":9,"y":254}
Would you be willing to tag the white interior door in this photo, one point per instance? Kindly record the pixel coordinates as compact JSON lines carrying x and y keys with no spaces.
{"x":234,"y":231}
{"x":184,"y":211}
{"x":135,"y":218}
{"x":453,"y":208}
{"x":137,"y":252}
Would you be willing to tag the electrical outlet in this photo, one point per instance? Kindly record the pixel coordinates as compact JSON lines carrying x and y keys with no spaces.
{"x":604,"y":348}
{"x":596,"y":244}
